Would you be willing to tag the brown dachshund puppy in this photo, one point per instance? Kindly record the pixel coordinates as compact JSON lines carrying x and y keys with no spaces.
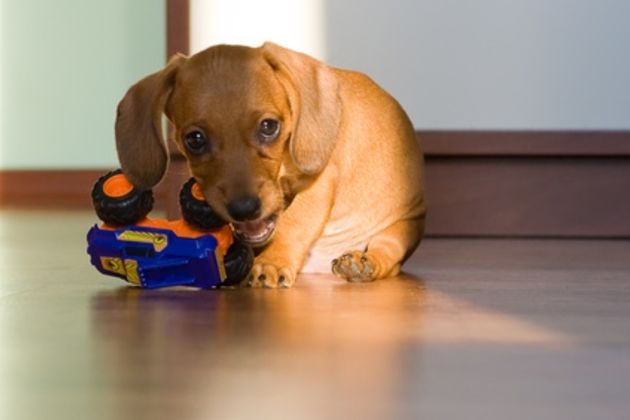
{"x":317,"y":167}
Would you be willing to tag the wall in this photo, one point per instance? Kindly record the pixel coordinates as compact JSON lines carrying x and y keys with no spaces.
{"x":487,"y":64}
{"x":294,"y":24}
{"x":492,"y":64}
{"x":65,"y":65}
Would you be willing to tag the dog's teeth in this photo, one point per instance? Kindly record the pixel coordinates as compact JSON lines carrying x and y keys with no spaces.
{"x":256,"y":237}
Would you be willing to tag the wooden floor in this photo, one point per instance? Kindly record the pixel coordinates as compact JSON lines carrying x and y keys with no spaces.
{"x":477,"y":329}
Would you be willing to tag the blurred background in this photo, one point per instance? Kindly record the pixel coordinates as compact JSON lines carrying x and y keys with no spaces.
{"x":546,"y":81}
{"x":65,"y":65}
{"x":522,"y":108}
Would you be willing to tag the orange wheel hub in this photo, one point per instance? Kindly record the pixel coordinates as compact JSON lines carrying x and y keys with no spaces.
{"x":117,"y":186}
{"x":197,"y":193}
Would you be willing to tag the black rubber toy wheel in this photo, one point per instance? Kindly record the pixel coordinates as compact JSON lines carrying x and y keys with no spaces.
{"x":117,"y":202}
{"x":195,"y":210}
{"x":237,"y":262}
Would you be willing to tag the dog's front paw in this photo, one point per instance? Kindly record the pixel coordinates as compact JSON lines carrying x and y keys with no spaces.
{"x":354,"y":266}
{"x":269,"y":275}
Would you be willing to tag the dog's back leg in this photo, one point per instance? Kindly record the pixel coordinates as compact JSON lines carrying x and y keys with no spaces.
{"x":385,"y":253}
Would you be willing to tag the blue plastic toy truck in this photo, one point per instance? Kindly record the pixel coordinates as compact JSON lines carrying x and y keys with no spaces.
{"x":198,"y":250}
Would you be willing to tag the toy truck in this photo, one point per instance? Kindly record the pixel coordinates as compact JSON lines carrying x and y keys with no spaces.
{"x":198,"y":250}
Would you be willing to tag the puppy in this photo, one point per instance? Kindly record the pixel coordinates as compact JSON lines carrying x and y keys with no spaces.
{"x":316,"y":167}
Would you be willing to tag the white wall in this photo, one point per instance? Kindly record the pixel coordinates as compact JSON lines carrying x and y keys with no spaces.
{"x":517,"y":64}
{"x":542,"y":64}
{"x":296,"y":24}
{"x":65,"y":65}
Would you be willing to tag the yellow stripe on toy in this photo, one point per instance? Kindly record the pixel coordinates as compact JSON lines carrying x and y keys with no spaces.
{"x":159,"y":240}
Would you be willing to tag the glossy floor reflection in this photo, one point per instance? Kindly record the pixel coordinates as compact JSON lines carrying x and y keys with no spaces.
{"x":490,"y":329}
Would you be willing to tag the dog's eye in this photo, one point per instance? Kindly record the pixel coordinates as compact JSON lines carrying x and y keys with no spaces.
{"x":196,"y":142}
{"x":268,"y":130}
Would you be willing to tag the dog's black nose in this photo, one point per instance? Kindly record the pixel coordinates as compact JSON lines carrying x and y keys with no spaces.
{"x":244,"y":208}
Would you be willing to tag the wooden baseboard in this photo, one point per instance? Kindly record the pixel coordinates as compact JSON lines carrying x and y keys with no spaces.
{"x":57,"y":189}
{"x":528,"y":183}
{"x":47,"y":188}
{"x":491,"y":183}
{"x":528,"y":197}
{"x":471,"y":143}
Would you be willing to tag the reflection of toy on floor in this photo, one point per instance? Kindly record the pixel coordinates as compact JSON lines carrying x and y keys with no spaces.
{"x":198,"y":250}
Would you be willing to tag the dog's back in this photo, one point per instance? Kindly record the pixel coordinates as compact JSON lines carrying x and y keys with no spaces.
{"x":379,"y":169}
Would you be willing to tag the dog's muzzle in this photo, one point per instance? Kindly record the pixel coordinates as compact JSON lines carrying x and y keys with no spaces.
{"x":256,"y":233}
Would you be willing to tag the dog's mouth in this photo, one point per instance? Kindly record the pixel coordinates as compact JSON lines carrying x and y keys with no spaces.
{"x":256,"y":233}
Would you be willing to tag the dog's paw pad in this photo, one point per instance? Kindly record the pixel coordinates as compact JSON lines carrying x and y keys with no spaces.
{"x":285,"y":281}
{"x":269,"y":276}
{"x":355,"y":266}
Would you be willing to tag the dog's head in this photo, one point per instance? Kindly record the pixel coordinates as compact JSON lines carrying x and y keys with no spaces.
{"x":256,"y":126}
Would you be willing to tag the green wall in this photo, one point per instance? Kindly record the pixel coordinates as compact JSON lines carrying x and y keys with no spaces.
{"x":65,"y":64}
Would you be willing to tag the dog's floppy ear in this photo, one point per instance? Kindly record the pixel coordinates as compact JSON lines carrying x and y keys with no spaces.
{"x":313,"y":92}
{"x":139,"y":139}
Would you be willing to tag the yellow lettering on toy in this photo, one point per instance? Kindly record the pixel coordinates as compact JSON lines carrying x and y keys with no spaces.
{"x":113,"y":265}
{"x":127,"y":268}
{"x":159,"y":240}
{"x":131,"y":266}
